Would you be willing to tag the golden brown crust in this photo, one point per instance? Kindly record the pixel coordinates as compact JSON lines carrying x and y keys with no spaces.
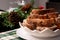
{"x":58,"y":26}
{"x":41,"y":19}
{"x":29,"y":24}
{"x":35,"y":11}
{"x":52,"y":15}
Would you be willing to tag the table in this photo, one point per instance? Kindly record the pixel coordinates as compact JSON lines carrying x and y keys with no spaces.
{"x":10,"y":35}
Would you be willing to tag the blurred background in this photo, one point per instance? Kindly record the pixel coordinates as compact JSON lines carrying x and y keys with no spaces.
{"x":5,"y":4}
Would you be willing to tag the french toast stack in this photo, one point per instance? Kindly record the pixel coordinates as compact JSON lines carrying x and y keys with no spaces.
{"x":41,"y":19}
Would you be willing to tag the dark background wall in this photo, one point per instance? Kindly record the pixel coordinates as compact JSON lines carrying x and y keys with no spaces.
{"x":54,"y":0}
{"x":53,"y":4}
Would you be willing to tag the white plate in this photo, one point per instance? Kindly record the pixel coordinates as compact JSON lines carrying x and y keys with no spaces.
{"x":24,"y":34}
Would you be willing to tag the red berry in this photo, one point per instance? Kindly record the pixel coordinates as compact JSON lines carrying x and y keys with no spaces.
{"x":41,"y":7}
